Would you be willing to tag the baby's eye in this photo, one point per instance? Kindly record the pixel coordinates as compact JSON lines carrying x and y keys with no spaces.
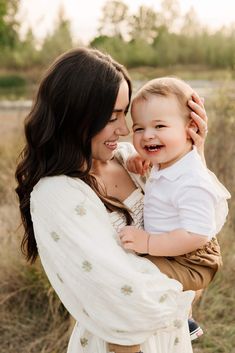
{"x":138,"y":129}
{"x":159,"y":126}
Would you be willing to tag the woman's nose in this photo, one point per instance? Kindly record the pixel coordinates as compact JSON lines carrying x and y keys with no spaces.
{"x":122,"y":129}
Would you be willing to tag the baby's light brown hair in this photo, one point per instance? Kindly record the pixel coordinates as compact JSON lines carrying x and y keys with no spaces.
{"x":167,"y":86}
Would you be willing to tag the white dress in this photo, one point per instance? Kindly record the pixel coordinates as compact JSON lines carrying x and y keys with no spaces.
{"x":115,"y":296}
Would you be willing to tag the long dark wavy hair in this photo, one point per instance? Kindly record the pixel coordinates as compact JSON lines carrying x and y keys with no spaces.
{"x":75,"y":101}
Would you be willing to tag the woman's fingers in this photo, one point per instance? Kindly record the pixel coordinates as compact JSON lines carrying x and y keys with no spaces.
{"x":201,"y":124}
{"x":197,"y":99}
{"x":198,"y":109}
{"x":197,"y":139}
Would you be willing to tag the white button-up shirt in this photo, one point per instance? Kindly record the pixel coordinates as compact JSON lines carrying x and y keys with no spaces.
{"x":186,"y":196}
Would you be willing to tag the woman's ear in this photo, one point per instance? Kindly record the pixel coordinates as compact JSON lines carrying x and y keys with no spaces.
{"x":192,"y":125}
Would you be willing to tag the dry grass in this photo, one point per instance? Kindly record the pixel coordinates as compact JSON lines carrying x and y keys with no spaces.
{"x":216,"y":311}
{"x":32,"y":318}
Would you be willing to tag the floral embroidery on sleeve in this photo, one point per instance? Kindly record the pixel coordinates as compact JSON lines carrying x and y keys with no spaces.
{"x":127,"y":290}
{"x":80,"y":210}
{"x":86,"y":266}
{"x":163,"y":298}
{"x":176,"y":341}
{"x":84,"y":341}
{"x":55,"y":236}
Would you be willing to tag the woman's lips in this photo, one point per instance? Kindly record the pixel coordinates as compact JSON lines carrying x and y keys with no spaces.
{"x":112,"y":145}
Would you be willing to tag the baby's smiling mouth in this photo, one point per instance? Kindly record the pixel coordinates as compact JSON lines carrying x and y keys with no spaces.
{"x":153,"y":148}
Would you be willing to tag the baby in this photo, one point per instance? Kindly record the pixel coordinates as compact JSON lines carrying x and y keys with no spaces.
{"x":184,"y":204}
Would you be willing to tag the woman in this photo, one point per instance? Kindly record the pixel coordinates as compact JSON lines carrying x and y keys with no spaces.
{"x":75,"y":194}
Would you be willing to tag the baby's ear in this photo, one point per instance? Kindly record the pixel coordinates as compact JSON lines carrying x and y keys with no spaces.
{"x":192,"y":125}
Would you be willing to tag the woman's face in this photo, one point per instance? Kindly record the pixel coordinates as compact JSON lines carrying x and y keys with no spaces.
{"x":104,"y":143}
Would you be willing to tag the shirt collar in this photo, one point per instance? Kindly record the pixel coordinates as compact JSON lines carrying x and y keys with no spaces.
{"x":190,"y":161}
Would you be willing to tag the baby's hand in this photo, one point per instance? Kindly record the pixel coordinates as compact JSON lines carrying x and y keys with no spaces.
{"x":135,"y":239}
{"x":138,"y":165}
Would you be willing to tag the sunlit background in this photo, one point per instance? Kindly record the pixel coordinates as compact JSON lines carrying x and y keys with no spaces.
{"x":84,"y":15}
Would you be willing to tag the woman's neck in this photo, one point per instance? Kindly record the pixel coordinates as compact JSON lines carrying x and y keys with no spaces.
{"x":99,"y":167}
{"x":113,"y":178}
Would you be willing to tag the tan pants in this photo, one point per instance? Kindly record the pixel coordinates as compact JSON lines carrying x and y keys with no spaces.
{"x":194,"y":270}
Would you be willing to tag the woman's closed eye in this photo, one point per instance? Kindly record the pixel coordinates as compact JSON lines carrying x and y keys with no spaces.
{"x":113,"y":118}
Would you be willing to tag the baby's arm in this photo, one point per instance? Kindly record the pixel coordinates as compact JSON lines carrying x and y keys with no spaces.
{"x":174,"y":243}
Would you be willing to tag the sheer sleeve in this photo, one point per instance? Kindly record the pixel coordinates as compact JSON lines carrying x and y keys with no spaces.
{"x":221,"y":210}
{"x":108,"y":290}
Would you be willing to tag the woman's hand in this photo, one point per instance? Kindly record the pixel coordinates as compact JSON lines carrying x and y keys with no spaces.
{"x":135,"y":239}
{"x":200,"y":118}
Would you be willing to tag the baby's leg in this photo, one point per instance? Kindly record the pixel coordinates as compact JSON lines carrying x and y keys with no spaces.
{"x":192,"y":278}
{"x":194,"y":270}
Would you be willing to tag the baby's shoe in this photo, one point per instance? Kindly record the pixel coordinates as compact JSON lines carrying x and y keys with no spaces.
{"x":194,"y":329}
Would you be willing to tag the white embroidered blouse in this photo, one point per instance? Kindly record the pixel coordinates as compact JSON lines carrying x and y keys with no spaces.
{"x":114,"y":296}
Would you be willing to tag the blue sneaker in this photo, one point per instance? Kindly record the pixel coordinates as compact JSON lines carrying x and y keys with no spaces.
{"x":194,"y":329}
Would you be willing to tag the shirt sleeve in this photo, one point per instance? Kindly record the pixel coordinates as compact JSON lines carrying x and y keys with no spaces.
{"x":221,"y":209}
{"x":116,"y":295}
{"x":198,"y":202}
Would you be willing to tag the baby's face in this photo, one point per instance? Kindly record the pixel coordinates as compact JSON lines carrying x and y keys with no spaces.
{"x":160,"y":130}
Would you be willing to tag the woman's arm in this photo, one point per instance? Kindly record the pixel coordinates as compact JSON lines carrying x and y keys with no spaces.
{"x":102,"y":286}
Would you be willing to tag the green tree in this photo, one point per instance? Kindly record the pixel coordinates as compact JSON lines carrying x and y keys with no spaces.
{"x":115,"y":46}
{"x":170,"y":14}
{"x":59,"y":41}
{"x":26,"y":55}
{"x":8,"y":23}
{"x":143,"y":25}
{"x":191,"y":24}
{"x":113,"y":21}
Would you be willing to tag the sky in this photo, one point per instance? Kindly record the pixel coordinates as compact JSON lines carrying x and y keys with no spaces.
{"x":84,"y":14}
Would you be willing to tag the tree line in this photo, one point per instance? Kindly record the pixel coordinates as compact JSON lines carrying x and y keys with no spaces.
{"x":146,"y":38}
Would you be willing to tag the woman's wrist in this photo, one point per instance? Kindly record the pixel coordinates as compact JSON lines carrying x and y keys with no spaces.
{"x":148,"y":243}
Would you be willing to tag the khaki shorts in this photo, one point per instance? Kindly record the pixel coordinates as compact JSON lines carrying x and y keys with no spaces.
{"x":194,"y":270}
{"x":116,"y":348}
